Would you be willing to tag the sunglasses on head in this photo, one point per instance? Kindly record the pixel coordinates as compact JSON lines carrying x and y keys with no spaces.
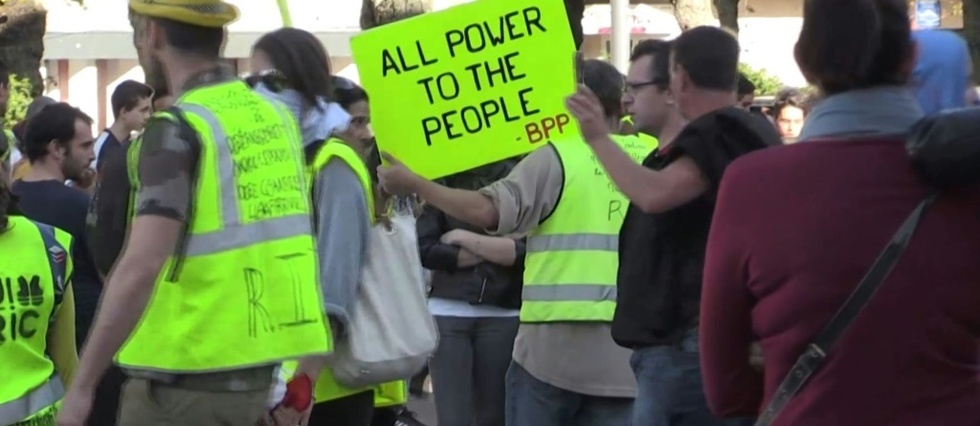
{"x":274,"y":79}
{"x":342,"y":83}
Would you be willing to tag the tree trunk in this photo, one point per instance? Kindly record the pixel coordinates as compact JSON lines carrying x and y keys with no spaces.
{"x":971,"y":31}
{"x":693,"y":13}
{"x":728,"y":14}
{"x":380,"y":12}
{"x":22,"y":24}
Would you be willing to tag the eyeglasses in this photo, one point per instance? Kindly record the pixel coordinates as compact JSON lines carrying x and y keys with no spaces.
{"x":342,"y":83}
{"x":633,"y":88}
{"x":274,"y":79}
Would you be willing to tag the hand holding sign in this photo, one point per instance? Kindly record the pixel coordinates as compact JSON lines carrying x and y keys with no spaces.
{"x":395,"y":178}
{"x":587,"y":110}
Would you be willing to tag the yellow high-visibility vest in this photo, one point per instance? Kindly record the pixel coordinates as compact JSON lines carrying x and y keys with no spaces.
{"x":243,"y":288}
{"x":391,"y":394}
{"x":649,"y":140}
{"x":573,"y":256}
{"x":31,"y":286}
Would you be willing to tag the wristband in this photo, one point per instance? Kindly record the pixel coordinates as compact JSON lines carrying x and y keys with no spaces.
{"x":299,"y":393}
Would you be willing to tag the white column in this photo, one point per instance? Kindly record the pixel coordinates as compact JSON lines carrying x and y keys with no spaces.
{"x":83,"y":87}
{"x":621,"y":27}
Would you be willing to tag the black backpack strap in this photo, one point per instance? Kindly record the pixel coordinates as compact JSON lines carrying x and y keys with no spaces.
{"x":816,"y":352}
{"x":57,"y":255}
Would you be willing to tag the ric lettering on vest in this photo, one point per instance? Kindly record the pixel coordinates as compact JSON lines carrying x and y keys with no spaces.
{"x":20,"y":299}
{"x":259,"y":318}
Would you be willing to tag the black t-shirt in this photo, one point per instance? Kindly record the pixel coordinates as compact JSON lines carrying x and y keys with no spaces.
{"x":109,"y":145}
{"x":662,"y":255}
{"x":65,"y":208}
{"x":108,"y":216}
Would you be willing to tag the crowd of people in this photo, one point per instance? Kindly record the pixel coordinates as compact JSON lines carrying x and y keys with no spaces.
{"x":199,"y":261}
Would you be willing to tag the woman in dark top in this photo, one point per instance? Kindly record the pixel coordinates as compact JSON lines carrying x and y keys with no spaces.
{"x":475,"y":298}
{"x":797,"y":227}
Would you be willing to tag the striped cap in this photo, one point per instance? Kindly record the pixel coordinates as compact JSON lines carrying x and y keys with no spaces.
{"x":204,"y":13}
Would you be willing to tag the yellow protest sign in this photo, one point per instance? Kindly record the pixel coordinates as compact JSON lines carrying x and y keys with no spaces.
{"x":470,"y":85}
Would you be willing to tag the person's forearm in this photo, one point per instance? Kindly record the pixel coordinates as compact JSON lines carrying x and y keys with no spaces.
{"x":126,"y":297}
{"x":61,"y":338}
{"x":466,"y":259}
{"x":469,"y":206}
{"x":311,"y":366}
{"x":638,"y":183}
{"x":497,"y":250}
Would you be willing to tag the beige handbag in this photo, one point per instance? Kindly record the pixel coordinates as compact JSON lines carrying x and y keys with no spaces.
{"x":391,"y":333}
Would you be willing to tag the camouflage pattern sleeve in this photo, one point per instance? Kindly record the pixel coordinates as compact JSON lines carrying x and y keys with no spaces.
{"x":166,"y":164}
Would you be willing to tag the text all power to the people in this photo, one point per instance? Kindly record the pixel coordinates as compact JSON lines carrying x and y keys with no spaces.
{"x":473,"y":83}
{"x":486,"y":86}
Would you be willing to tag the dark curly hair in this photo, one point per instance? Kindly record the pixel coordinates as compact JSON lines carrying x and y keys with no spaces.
{"x":8,"y":205}
{"x":789,"y":97}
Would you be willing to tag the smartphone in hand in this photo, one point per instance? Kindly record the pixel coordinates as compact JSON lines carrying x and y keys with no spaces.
{"x":579,"y":68}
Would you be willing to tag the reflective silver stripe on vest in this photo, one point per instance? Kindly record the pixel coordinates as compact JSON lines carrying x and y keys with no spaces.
{"x":32,"y":403}
{"x":569,"y":293}
{"x":558,"y":242}
{"x":235,"y":234}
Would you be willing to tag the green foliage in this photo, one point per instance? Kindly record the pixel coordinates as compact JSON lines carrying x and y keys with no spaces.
{"x":765,"y":84}
{"x":20,"y":98}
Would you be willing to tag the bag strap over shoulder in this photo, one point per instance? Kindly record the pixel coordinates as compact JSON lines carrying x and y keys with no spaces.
{"x":816,"y":352}
{"x":335,"y":148}
{"x":57,"y":255}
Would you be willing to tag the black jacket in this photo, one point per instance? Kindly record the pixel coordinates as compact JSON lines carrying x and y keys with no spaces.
{"x":661,"y":255}
{"x":483,"y":284}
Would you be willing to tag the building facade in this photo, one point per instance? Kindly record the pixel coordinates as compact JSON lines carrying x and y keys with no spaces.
{"x":88,"y":51}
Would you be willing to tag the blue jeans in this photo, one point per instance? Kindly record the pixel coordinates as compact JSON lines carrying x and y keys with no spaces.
{"x":531,"y":402}
{"x":670,"y":390}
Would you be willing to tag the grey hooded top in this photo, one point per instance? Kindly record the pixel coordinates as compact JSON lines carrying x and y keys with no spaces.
{"x":342,"y":223}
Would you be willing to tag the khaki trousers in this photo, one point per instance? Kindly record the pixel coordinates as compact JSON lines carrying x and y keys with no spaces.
{"x":152,"y":403}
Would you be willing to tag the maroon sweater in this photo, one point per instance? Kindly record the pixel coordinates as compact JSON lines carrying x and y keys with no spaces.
{"x":795,"y":229}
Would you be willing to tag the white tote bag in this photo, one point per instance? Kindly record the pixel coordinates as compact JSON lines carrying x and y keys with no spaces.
{"x":391,"y":333}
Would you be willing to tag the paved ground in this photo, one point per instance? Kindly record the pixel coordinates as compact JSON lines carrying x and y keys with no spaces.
{"x":424,"y":408}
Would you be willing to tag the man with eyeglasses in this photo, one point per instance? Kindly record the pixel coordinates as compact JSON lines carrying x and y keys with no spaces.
{"x":646,"y":95}
{"x":672,"y":196}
